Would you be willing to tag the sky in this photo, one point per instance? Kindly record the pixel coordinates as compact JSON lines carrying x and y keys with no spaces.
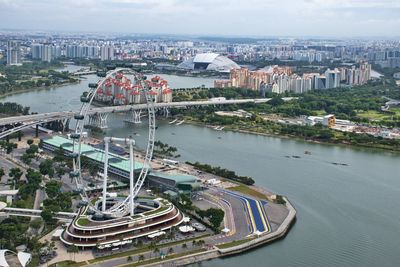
{"x":324,"y":18}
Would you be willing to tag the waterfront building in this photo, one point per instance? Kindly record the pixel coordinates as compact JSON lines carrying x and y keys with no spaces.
{"x":13,"y":53}
{"x":119,"y":166}
{"x":282,"y":79}
{"x":152,"y":216}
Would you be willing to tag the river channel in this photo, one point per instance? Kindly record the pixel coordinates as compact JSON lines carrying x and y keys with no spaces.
{"x":347,"y":215}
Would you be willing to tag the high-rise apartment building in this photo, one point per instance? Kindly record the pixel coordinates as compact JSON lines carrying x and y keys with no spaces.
{"x":13,"y":53}
{"x":36,"y":51}
{"x":332,"y":78}
{"x":107,"y":52}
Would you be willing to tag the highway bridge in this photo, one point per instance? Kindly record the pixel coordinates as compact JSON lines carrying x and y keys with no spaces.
{"x":81,"y":73}
{"x":18,"y":123}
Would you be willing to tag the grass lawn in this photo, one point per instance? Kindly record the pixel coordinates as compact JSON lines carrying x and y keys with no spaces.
{"x":68,"y":264}
{"x":82,"y":221}
{"x":320,"y":112}
{"x":248,"y":191}
{"x":373,"y":114}
{"x":158,"y":210}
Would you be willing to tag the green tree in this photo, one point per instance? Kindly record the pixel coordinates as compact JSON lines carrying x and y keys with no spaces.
{"x":53,"y":189}
{"x":26,"y":158}
{"x":215,"y":216}
{"x":16,"y":174}
{"x":46,"y":167}
{"x":36,"y":223}
{"x":47,"y":215}
{"x":141,"y":257}
{"x":156,"y":251}
{"x":33,"y":149}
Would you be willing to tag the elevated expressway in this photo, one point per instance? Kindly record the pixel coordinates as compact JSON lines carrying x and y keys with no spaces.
{"x":18,"y":123}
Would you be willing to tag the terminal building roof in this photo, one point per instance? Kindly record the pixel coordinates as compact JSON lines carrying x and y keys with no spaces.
{"x":177,"y":177}
{"x":92,"y":153}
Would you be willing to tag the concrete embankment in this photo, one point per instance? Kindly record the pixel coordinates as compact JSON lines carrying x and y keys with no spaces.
{"x":222,"y":252}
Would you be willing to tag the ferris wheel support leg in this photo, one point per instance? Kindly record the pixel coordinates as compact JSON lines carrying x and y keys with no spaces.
{"x":106,"y":140}
{"x":131,"y":177}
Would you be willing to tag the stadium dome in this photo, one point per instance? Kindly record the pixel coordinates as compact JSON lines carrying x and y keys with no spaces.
{"x":209,"y":61}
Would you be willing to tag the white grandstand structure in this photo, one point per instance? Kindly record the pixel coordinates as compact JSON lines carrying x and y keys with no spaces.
{"x":209,"y":62}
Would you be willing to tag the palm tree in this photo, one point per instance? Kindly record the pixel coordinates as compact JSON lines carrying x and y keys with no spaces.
{"x":184,"y":246}
{"x":129,"y":259}
{"x":52,"y":246}
{"x":194,"y":243}
{"x":97,"y":245}
{"x":155,"y":251}
{"x":170,"y":250}
{"x":201,"y":243}
{"x":73,"y":249}
{"x":141,"y":257}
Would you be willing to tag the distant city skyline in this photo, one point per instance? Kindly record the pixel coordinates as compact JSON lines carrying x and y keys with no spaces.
{"x":324,"y":18}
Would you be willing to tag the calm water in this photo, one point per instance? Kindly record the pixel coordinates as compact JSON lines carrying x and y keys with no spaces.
{"x":347,"y":216}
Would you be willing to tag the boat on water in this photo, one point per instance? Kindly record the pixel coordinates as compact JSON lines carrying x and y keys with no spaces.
{"x":171,"y":122}
{"x":340,"y":164}
{"x":307,"y":152}
{"x":179,"y":123}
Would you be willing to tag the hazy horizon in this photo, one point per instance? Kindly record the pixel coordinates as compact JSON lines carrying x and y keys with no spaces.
{"x":234,"y":18}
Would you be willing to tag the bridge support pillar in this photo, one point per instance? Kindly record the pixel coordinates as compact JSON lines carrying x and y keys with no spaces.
{"x":37,"y":131}
{"x":166,"y":112}
{"x":103,"y":120}
{"x":65,"y":125}
{"x":136,"y":114}
{"x":99,"y":120}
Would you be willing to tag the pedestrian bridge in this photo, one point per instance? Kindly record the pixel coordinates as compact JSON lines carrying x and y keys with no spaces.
{"x":62,"y":216}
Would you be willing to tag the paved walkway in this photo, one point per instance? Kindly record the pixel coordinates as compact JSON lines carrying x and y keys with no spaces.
{"x":63,"y":255}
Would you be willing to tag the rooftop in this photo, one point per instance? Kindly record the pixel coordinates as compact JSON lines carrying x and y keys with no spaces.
{"x":177,"y":177}
{"x":92,"y":153}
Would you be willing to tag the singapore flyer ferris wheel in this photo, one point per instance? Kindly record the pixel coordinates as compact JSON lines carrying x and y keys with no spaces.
{"x":134,"y":89}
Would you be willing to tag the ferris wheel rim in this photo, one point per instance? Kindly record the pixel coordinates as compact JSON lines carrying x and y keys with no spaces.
{"x":91,"y":94}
